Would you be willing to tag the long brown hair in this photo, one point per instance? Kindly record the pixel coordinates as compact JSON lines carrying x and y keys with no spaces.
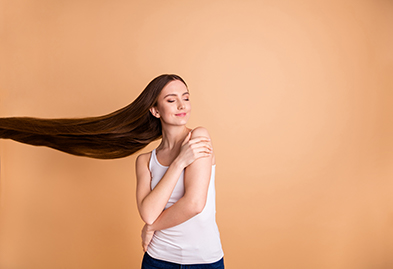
{"x":111,"y":136}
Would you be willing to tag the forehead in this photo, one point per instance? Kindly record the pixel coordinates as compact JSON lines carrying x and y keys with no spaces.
{"x":174,"y":87}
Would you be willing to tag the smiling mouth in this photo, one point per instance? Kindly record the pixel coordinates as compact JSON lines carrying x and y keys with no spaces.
{"x":181,"y":114}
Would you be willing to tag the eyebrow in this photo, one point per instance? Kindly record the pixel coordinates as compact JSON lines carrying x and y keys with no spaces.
{"x":172,"y":94}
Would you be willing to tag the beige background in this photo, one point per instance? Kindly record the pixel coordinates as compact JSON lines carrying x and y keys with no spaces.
{"x":297,"y":96}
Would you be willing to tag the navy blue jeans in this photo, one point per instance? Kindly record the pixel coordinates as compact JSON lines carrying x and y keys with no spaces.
{"x":151,"y":263}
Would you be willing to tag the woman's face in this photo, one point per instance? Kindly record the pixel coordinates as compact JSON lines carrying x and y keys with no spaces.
{"x":173,"y":104}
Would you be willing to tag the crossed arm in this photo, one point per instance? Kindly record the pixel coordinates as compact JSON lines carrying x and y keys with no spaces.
{"x":197,"y":161}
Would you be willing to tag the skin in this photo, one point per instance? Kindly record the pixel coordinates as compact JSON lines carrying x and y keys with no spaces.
{"x":179,"y":149}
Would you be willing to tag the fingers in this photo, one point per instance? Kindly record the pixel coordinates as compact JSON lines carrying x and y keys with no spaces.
{"x":202,"y":146}
{"x":146,"y":237}
{"x":202,"y":149}
{"x":195,"y":148}
{"x":144,"y":245}
{"x":203,"y":154}
{"x":187,"y":138}
{"x":196,"y":142}
{"x":199,"y":139}
{"x":199,"y":143}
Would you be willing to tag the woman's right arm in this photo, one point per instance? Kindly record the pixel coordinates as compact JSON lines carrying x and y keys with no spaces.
{"x":151,"y":203}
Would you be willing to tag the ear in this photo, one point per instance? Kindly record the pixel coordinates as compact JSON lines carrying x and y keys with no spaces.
{"x":154,"y":112}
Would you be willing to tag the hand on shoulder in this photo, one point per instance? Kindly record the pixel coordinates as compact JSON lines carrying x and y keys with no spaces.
{"x":196,"y":145}
{"x":202,"y":132}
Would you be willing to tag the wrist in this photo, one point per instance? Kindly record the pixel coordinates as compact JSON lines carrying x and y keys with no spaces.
{"x":149,"y":228}
{"x":178,"y":164}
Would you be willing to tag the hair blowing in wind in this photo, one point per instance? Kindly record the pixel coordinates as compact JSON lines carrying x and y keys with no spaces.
{"x":115,"y":135}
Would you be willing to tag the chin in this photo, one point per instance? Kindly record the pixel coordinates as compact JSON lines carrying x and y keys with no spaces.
{"x":183,"y":122}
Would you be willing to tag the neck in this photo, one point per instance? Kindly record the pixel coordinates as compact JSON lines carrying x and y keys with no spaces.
{"x":173,"y":136}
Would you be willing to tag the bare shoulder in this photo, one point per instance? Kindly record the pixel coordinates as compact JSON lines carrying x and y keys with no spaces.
{"x":200,"y":131}
{"x":143,"y":159}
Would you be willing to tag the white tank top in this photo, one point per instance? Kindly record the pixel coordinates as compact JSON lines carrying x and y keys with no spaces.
{"x":194,"y":241}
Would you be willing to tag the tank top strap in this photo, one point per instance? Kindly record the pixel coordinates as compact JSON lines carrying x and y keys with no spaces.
{"x":154,"y":161}
{"x":152,"y":157}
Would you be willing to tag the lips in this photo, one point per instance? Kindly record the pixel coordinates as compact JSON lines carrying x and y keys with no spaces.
{"x":181,"y":114}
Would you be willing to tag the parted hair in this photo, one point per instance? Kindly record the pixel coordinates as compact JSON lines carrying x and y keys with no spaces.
{"x":115,"y":135}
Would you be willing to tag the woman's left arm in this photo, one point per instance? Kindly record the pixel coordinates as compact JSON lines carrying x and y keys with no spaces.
{"x":196,"y":184}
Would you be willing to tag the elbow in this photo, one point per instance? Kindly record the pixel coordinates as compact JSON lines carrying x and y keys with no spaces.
{"x":148,"y":219}
{"x":196,"y":206}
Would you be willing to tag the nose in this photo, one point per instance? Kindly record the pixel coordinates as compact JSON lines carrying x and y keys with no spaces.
{"x":181,"y":105}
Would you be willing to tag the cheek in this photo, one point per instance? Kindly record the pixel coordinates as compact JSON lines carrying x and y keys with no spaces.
{"x":167,"y":110}
{"x":162,"y":107}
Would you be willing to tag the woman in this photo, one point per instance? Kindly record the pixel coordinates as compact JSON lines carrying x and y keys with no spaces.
{"x":175,"y":182}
